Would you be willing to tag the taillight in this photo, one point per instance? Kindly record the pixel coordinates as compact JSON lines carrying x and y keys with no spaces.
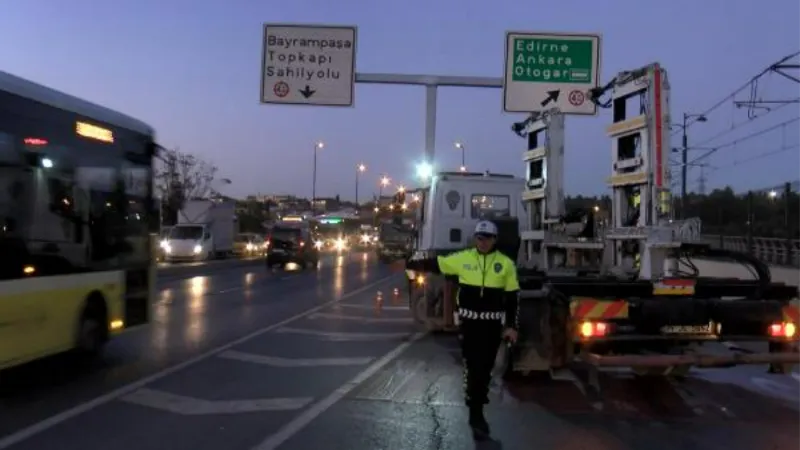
{"x":593,"y":329}
{"x":783,"y":330}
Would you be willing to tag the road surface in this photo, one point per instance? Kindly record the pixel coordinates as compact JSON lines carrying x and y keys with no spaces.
{"x":243,"y":358}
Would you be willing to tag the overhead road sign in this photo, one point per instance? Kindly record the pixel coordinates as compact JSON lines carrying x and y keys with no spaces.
{"x":551,"y":70}
{"x":308,"y":65}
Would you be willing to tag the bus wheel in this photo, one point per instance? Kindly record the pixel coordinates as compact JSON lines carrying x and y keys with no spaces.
{"x":92,"y":328}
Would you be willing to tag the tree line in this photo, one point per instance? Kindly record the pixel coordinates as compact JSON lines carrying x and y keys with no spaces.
{"x":181,"y":176}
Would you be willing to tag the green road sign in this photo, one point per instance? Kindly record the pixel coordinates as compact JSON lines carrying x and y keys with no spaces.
{"x":546,"y":70}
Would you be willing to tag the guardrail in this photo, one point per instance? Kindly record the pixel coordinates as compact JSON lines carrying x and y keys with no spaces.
{"x":781,"y":252}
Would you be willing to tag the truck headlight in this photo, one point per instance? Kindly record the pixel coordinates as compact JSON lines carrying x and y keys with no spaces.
{"x":197,"y":249}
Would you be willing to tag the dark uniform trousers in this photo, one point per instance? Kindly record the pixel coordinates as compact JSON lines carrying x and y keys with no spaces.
{"x":480,"y":340}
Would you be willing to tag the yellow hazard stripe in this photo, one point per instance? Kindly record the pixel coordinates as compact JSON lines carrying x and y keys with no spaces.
{"x":582,"y":308}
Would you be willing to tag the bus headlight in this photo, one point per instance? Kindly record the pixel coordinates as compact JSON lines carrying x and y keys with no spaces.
{"x":197,"y":249}
{"x":164,"y":244}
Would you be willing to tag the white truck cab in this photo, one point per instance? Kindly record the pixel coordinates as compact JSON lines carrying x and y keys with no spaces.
{"x":456,"y":201}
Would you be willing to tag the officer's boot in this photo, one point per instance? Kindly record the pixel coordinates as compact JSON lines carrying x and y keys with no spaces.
{"x":478,"y":423}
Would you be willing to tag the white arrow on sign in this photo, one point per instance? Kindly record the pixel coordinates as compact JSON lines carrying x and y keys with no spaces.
{"x":293,"y":362}
{"x":189,"y":406}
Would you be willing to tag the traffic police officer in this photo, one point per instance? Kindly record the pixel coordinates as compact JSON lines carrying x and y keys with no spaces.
{"x":487,"y":310}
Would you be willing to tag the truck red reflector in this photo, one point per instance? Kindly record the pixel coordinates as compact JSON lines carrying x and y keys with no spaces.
{"x":783,"y":330}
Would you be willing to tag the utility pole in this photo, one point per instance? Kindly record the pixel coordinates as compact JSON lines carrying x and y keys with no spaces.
{"x":702,"y":180}
{"x":685,"y":157}
{"x":318,"y":146}
{"x":359,"y":168}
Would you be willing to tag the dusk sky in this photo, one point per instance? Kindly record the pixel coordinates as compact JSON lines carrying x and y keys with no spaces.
{"x":191,"y":68}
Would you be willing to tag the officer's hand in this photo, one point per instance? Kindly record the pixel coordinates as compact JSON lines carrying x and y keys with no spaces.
{"x":510,"y":335}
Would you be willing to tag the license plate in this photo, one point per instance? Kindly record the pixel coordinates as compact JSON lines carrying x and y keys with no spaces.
{"x":689,"y":329}
{"x":279,"y":251}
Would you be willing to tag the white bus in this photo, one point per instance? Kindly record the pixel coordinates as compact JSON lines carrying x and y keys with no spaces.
{"x":76,"y":217}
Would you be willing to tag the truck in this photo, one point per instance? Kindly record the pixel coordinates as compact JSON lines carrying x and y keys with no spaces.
{"x":597,"y":294}
{"x":394,"y":240}
{"x":205,"y":230}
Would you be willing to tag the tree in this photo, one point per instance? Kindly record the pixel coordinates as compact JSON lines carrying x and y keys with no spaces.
{"x":179,"y":177}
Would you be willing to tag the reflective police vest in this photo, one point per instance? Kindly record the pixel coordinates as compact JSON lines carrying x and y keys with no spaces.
{"x":484,"y":281}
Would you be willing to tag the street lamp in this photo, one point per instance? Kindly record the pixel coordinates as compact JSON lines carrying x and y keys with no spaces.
{"x":359,"y":168}
{"x":462,"y":147}
{"x":685,"y":155}
{"x":318,"y":146}
{"x":383,"y":183}
{"x":424,"y":170}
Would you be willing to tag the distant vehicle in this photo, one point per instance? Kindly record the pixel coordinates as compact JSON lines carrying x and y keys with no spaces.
{"x":288,"y":244}
{"x":78,"y":223}
{"x":205,"y":230}
{"x":394,"y":241}
{"x":331,"y":234}
{"x":249,"y":244}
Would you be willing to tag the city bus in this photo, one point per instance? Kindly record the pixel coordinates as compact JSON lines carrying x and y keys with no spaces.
{"x":78,"y":223}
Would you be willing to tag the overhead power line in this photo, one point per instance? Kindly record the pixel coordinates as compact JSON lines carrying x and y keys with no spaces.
{"x":734,"y":126}
{"x":777,"y":67}
{"x":773,"y":152}
{"x":744,"y":138}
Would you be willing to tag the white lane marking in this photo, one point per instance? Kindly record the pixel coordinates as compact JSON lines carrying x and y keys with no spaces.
{"x":189,"y":406}
{"x":385,"y":308}
{"x":365,"y":319}
{"x":292,"y":362}
{"x":341,"y":336}
{"x":50,"y":422}
{"x":238,"y":288}
{"x":796,"y":376}
{"x":306,"y":417}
